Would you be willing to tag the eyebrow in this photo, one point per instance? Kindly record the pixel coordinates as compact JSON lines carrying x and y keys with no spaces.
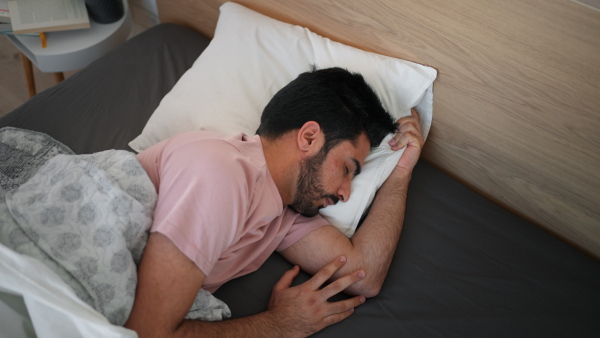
{"x":357,"y":171}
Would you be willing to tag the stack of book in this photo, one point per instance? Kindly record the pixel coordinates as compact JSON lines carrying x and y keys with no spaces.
{"x":40,"y":16}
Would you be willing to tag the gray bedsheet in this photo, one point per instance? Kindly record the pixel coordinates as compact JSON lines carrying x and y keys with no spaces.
{"x":464,"y":266}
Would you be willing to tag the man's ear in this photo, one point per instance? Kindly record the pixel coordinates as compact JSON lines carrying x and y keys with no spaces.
{"x":310,"y":138}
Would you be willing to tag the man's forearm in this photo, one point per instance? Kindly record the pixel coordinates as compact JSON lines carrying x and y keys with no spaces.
{"x":259,"y":325}
{"x":377,"y":238}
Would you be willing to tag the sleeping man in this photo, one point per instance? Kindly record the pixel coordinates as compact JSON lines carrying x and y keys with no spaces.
{"x":225,"y":204}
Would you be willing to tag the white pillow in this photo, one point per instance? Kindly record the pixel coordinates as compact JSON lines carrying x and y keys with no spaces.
{"x":250,"y":58}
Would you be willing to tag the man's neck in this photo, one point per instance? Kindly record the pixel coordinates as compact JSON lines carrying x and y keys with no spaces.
{"x":282,"y":161}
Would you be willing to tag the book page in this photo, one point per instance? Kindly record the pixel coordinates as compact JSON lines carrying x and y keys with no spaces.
{"x":29,"y":16}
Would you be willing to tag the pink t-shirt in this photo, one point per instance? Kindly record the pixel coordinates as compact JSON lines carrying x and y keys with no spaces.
{"x":218,"y":203}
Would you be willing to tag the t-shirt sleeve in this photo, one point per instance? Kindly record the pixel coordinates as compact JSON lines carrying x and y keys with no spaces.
{"x":300,"y":228}
{"x":199,"y":200}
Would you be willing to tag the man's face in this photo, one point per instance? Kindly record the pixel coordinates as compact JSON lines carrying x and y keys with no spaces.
{"x":325,"y":178}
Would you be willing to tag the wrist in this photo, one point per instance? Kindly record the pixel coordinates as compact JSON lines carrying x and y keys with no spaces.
{"x":401,"y":173}
{"x":396,"y":183}
{"x":275,"y":324}
{"x":278,"y":325}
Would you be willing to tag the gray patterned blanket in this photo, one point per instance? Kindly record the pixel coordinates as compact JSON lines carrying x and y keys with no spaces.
{"x":86,"y":217}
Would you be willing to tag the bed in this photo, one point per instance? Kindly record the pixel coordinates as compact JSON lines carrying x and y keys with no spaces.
{"x":501,"y":236}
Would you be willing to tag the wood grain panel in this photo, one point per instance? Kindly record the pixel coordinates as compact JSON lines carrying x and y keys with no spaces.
{"x":516,"y":103}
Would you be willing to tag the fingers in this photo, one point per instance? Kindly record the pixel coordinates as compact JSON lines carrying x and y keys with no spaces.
{"x":414,"y":113}
{"x":306,"y":308}
{"x":286,"y":280}
{"x":342,"y":283}
{"x":410,"y":123}
{"x":412,"y":118}
{"x":342,"y":309}
{"x":337,"y":317}
{"x":409,"y":127}
{"x":338,"y":285}
{"x":402,"y":140}
{"x":326,"y":272}
{"x":407,"y":132}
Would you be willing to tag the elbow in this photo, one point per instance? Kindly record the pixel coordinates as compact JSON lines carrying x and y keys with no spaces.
{"x":370,"y":286}
{"x":371,"y":291}
{"x":367,"y":288}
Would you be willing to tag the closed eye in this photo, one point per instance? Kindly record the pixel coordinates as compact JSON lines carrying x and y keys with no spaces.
{"x":357,"y":165}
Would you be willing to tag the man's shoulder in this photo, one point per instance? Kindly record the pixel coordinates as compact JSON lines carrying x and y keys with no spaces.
{"x":197,"y":139}
{"x":238,"y":157}
{"x":211,"y":146}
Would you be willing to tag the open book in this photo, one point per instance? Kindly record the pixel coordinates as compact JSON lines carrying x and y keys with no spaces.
{"x":33,"y":16}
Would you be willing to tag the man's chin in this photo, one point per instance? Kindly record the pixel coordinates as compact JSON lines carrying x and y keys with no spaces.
{"x":312,"y":212}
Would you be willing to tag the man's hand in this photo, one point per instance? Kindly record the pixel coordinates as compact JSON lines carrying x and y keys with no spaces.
{"x":303,"y":310}
{"x":408,"y":135}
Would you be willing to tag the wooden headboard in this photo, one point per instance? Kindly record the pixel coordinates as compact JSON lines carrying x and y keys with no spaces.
{"x":516,"y":103}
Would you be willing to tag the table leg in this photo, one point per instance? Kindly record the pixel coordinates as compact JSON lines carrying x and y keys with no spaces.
{"x":59,"y":77}
{"x":28,"y":68}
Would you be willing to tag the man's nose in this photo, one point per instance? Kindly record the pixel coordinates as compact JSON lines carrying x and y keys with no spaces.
{"x":345,"y":189}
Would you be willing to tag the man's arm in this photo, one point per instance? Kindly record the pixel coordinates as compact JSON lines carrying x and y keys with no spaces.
{"x":168,"y":282}
{"x":372,"y":247}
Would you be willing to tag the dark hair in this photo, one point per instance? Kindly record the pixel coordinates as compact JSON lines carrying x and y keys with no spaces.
{"x":342,"y":103}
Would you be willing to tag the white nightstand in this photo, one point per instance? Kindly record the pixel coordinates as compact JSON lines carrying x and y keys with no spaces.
{"x":70,"y":50}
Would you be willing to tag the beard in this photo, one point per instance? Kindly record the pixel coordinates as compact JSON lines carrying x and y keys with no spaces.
{"x":309,"y":188}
